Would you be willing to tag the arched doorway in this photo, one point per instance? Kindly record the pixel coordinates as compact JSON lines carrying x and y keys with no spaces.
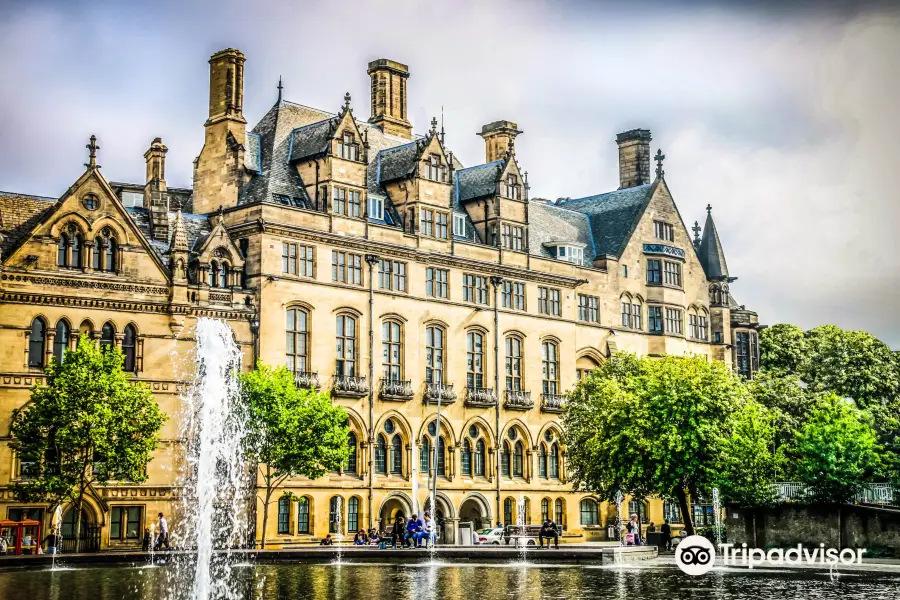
{"x":89,"y":533}
{"x":396,"y":504}
{"x":474,"y":510}
{"x":445,"y":518}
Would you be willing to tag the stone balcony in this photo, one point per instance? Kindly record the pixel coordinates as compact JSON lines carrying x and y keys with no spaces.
{"x":480,"y":397}
{"x":396,"y":390}
{"x":439,"y":391}
{"x":553,"y":403}
{"x":349,"y":386}
{"x":306,"y":380}
{"x":518,"y":400}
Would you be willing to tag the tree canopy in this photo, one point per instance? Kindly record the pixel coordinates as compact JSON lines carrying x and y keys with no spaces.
{"x":88,"y":423}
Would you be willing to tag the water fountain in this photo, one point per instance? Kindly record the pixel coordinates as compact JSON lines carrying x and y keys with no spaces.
{"x":717,"y":516}
{"x":520,"y":521}
{"x":215,"y":503}
{"x":619,"y":500}
{"x":339,"y":537}
{"x":152,"y":543}
{"x":56,"y":527}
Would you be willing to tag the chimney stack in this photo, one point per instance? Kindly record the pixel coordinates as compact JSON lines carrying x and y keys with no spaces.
{"x":634,"y":157}
{"x":388,"y":95}
{"x":499,"y":137}
{"x":155,"y":197}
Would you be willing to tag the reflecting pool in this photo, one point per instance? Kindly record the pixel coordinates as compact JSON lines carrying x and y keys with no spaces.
{"x":451,"y":582}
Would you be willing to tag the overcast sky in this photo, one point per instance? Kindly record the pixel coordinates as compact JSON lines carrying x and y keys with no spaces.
{"x":784,"y":120}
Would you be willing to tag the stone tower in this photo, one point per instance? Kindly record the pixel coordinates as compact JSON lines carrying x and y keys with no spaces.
{"x":634,"y":157}
{"x":389,"y":97}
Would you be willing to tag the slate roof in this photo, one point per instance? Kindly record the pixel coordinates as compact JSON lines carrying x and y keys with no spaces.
{"x":253,"y":153}
{"x":612,"y":216}
{"x":19,"y":214}
{"x":710,"y":252}
{"x":196,"y":227}
{"x":548,"y":223}
{"x":311,"y":140}
{"x":398,"y":162}
{"x":478,"y":181}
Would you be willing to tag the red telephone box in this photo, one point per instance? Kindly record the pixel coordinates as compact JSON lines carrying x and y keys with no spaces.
{"x":20,"y":532}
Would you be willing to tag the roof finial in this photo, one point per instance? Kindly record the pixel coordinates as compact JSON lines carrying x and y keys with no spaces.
{"x":280,"y":87}
{"x":709,"y":209}
{"x":696,"y":229}
{"x":442,"y":125}
{"x":433,"y":125}
{"x":347,"y":101}
{"x":92,"y":153}
{"x":659,"y":158}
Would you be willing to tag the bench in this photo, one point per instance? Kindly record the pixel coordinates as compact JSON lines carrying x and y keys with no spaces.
{"x":523,"y":535}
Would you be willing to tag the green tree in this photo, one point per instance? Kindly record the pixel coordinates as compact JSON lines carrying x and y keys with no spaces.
{"x":782,"y":348}
{"x":291,"y":432}
{"x":837,"y":450}
{"x":746,"y":464}
{"x":89,"y":423}
{"x":651,"y":426}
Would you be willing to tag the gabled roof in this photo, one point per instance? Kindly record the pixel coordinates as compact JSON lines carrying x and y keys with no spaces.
{"x":710,"y":252}
{"x":398,"y":162}
{"x":19,"y":214}
{"x":312,"y":140}
{"x":613,"y":216}
{"x":478,"y":181}
{"x":549,"y":224}
{"x":196,"y":227}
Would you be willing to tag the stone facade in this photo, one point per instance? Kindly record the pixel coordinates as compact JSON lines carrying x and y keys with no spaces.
{"x":377,"y":266}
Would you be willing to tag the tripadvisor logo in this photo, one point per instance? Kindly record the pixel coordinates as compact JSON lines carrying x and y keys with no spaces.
{"x":696,"y":555}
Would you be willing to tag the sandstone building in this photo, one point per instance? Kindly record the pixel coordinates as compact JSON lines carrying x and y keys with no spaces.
{"x":377,"y":265}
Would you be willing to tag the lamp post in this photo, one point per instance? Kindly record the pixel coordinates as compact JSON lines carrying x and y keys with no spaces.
{"x":371,"y":260}
{"x":497,"y":282}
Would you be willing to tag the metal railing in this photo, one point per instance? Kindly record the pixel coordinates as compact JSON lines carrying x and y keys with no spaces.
{"x":444,"y":391}
{"x":396,"y":389}
{"x":306,"y":379}
{"x":480,"y":397}
{"x":872,"y":493}
{"x":350,"y":385}
{"x":518,"y":400}
{"x":553,"y":403}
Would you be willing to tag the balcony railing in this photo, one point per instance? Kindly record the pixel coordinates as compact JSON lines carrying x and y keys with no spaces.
{"x":396,"y":389}
{"x":518,"y":400}
{"x":442,"y":391}
{"x":349,"y":385}
{"x":307,"y":379}
{"x":480,"y":397}
{"x":553,"y":403}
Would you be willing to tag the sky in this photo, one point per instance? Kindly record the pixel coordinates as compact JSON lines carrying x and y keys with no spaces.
{"x":784,"y":119}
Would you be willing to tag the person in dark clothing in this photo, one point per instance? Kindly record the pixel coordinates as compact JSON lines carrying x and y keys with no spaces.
{"x":147,"y":541}
{"x":666,"y":531}
{"x":413,"y":528}
{"x":397,"y":533}
{"x":327,"y":541}
{"x":548,"y":531}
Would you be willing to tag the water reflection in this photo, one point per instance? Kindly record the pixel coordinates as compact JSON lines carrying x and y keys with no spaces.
{"x":461,"y":582}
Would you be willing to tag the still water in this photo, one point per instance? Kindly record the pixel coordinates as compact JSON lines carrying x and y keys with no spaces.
{"x":411,"y":582}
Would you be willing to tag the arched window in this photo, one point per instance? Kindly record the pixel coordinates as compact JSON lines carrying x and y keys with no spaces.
{"x":672,"y":512}
{"x":550,"y":367}
{"x":518,"y":460}
{"x":504,"y":459}
{"x":129,"y":341}
{"x":211,"y":275}
{"x":434,"y":355}
{"x":583,"y":366}
{"x":526,"y":518}
{"x":513,"y":363}
{"x":36,"y":342}
{"x":297,"y":350}
{"x":425,"y":455}
{"x":559,"y":513}
{"x":97,"y":254}
{"x":636,"y":507}
{"x":345,"y":363}
{"x":466,"y":458}
{"x":303,"y":515}
{"x":284,"y":516}
{"x":61,"y":340}
{"x":110,"y":255}
{"x":335,"y":516}
{"x":391,"y":351}
{"x":542,"y":460}
{"x":107,"y":336}
{"x":441,"y":458}
{"x":474,"y":360}
{"x":62,"y":252}
{"x":381,"y":455}
{"x":397,"y":455}
{"x":554,"y":462}
{"x":589,"y":512}
{"x":545,"y":510}
{"x":479,"y":458}
{"x":507,"y":511}
{"x":353,"y":514}
{"x":350,"y":465}
{"x":223,"y":275}
{"x":77,"y":246}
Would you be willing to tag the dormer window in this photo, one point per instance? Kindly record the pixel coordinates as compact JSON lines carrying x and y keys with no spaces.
{"x":376,"y":208}
{"x":459,"y":225}
{"x":664,"y":231}
{"x":511,"y":187}
{"x":433,"y":168}
{"x":348,"y":148}
{"x":572,"y":254}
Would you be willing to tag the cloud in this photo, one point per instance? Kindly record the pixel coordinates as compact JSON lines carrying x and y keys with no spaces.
{"x":783,"y":120}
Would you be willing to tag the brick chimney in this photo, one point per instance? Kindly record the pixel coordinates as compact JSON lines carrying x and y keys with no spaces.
{"x":155,"y":197}
{"x":498,"y":137}
{"x":388,"y":94}
{"x":634,"y":157}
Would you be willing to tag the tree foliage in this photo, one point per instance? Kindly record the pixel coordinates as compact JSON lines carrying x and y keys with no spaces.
{"x":746,"y":463}
{"x":291,"y":432}
{"x":782,"y":348}
{"x":837,"y":450}
{"x":650,"y":426}
{"x":88,"y":424}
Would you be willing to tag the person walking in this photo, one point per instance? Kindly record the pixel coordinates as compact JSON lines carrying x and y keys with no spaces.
{"x":666,"y":531}
{"x":634,"y":528}
{"x":163,"y":539}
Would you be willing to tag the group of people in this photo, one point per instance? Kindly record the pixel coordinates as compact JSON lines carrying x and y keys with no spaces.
{"x":160,"y":540}
{"x":635,"y":538}
{"x":363,"y":538}
{"x":413,"y":533}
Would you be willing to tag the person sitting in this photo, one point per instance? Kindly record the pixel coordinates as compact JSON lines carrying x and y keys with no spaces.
{"x":398,"y":531}
{"x":413,"y":527}
{"x":426,"y":532}
{"x":327,"y":541}
{"x":548,"y":531}
{"x":374,"y":538}
{"x":360,"y":538}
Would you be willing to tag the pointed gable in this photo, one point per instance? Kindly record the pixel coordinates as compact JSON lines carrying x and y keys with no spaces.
{"x":218,"y":244}
{"x":478,"y":181}
{"x":712,"y":257}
